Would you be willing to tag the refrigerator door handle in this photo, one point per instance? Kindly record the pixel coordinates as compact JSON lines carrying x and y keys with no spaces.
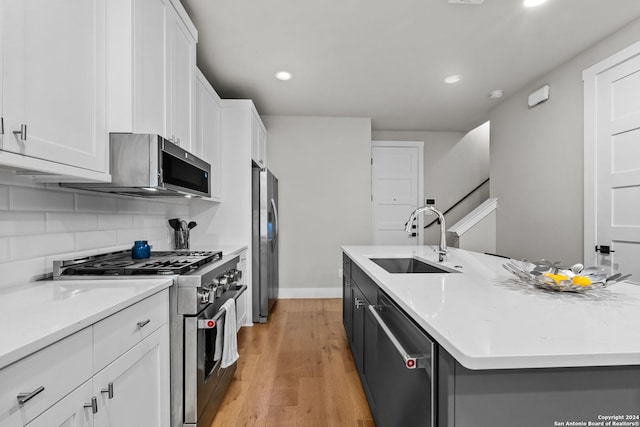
{"x":275,"y":215}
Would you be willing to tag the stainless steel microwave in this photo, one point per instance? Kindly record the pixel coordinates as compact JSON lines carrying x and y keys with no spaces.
{"x":149,"y":165}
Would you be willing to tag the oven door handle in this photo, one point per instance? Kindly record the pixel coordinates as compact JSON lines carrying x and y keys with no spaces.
{"x":211,"y":323}
{"x":240,"y":292}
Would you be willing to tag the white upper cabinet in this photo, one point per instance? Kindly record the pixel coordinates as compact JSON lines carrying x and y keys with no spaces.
{"x":54,"y":87}
{"x":208,"y":141}
{"x":181,"y":58}
{"x":151,"y":69}
{"x":258,"y":140}
{"x":136,"y":60}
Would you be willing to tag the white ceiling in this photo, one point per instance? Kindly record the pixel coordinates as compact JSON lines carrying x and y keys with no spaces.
{"x":386,"y":59}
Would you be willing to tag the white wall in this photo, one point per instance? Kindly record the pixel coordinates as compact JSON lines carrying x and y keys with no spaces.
{"x":454,"y":164}
{"x":324,"y":173}
{"x":40,"y":224}
{"x":537,"y":161}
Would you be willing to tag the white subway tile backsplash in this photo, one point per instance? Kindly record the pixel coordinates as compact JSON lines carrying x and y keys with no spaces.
{"x":19,"y":273}
{"x":126,"y":205}
{"x":102,"y":203}
{"x":115,"y":221}
{"x":36,"y":199}
{"x":173,"y":208}
{"x":161,"y":245}
{"x":138,"y":221}
{"x":42,"y":223}
{"x":155,"y":233}
{"x":95,"y":239}
{"x":67,"y":222}
{"x":155,"y":222}
{"x":20,"y":223}
{"x":40,"y":245}
{"x":4,"y":198}
{"x":5,"y":251}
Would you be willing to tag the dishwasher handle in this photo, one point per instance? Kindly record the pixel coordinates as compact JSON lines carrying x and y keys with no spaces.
{"x":411,"y":361}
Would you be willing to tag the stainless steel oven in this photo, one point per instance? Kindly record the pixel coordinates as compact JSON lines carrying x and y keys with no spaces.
{"x":203,"y":282}
{"x":205,"y":380}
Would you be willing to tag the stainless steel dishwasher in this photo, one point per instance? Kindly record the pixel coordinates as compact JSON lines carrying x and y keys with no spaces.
{"x":406,"y":381}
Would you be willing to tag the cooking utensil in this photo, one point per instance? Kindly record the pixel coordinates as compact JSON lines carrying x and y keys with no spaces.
{"x":191,"y":225}
{"x":611,"y":281}
{"x":175,"y":223}
{"x":613,"y":277}
{"x":183,"y":225}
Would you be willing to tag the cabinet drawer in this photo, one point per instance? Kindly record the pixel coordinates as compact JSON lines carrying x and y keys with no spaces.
{"x":58,"y":369}
{"x":70,"y":411}
{"x":367,"y":286}
{"x":118,"y":333}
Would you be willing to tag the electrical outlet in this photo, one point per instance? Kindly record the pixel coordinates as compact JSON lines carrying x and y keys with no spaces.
{"x":339,"y":273}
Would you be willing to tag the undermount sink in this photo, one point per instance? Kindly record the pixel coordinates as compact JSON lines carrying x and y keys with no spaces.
{"x":407,"y":265}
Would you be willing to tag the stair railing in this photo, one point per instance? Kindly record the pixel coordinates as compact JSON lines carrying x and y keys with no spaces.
{"x":458,"y":202}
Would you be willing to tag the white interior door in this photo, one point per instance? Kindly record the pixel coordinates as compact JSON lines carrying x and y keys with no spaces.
{"x":396,"y":180}
{"x":612,"y":170}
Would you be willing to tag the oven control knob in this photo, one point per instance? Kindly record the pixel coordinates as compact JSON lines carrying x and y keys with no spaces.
{"x":204,"y":296}
{"x":233,"y":275}
{"x":220,"y":281}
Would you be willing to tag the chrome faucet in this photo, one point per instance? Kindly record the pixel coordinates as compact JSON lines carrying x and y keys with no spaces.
{"x":442,"y":248}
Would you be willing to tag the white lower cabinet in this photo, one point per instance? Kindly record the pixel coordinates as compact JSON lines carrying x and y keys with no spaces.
{"x":134,"y":389}
{"x":75,"y":410}
{"x":61,"y":385}
{"x":31,"y":385}
{"x":241,"y":302}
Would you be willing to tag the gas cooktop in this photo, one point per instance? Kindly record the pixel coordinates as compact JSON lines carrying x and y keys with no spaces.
{"x":122,"y":264}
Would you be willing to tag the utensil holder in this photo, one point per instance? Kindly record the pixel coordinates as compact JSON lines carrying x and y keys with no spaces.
{"x":182,"y":239}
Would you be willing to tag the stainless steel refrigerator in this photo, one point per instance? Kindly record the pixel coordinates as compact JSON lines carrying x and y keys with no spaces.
{"x":265,"y":244}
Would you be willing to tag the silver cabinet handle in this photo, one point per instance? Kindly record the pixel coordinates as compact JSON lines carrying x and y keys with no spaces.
{"x":25,"y":397}
{"x":108,"y":390}
{"x":1,"y":125}
{"x":22,"y":133}
{"x":411,"y":361}
{"x":358,"y":303}
{"x":143,"y":323}
{"x":93,"y":405}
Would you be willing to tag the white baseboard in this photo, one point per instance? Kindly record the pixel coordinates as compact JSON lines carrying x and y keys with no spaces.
{"x":295,"y":293}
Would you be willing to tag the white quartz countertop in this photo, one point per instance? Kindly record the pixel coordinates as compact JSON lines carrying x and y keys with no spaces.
{"x":487,"y":323}
{"x":41,"y":313}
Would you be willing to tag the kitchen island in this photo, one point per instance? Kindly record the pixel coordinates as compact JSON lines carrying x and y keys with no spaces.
{"x":505,"y":353}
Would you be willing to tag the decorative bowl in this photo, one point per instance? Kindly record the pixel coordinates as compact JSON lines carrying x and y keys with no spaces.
{"x":555,"y":277}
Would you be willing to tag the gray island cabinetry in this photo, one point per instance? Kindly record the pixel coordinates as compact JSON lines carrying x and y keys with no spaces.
{"x":496,"y":370}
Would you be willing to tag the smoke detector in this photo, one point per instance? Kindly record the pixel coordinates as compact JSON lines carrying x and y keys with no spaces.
{"x":477,"y":2}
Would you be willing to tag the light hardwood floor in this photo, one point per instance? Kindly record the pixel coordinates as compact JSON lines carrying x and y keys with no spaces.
{"x":296,"y":370}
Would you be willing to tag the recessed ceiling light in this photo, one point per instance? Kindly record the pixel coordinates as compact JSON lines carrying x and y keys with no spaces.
{"x":454,"y":78}
{"x":283,"y":75}
{"x":533,"y":3}
{"x":495,"y":94}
